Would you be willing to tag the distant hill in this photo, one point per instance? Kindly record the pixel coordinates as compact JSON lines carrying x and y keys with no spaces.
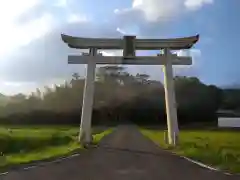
{"x":231,"y":86}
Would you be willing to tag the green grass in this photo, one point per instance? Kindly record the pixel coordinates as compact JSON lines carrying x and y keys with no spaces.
{"x":21,"y":145}
{"x":220,"y":149}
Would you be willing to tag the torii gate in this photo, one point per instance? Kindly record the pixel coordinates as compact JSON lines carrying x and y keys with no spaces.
{"x":129,"y":44}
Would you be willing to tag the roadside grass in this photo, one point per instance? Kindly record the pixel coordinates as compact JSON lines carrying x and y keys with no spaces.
{"x":20,"y":145}
{"x":219,"y":149}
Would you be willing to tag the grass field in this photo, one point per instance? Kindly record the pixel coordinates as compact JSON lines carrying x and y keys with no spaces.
{"x":220,"y":149}
{"x":23,"y":144}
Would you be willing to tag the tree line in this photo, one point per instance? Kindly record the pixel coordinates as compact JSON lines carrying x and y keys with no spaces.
{"x":119,"y":97}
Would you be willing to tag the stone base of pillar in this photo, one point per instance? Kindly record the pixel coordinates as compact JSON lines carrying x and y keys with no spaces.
{"x":175,"y":139}
{"x":83,"y":140}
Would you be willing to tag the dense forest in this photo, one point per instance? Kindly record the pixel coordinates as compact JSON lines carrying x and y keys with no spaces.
{"x":119,"y":96}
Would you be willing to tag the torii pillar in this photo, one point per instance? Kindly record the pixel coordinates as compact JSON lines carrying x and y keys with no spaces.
{"x":85,"y":135}
{"x":170,"y":100}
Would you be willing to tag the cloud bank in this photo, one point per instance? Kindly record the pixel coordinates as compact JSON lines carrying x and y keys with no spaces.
{"x":33,"y":53}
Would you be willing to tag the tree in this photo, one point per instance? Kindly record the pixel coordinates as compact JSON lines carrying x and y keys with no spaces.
{"x":76,"y":76}
{"x":142,"y":78}
{"x":18,"y":97}
{"x":121,"y":96}
{"x":110,"y":74}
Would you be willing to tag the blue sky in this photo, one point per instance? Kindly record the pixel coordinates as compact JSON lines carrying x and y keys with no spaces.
{"x":32,"y":54}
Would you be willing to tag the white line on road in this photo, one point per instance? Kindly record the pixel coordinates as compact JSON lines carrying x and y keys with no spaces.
{"x":197,"y":162}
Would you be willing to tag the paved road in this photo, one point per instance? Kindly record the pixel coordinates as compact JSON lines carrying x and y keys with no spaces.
{"x":123,"y":155}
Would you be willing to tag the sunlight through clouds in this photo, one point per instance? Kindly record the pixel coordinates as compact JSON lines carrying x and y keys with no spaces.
{"x":13,"y":34}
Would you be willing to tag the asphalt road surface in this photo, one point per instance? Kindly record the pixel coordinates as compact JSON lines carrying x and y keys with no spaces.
{"x":123,"y":155}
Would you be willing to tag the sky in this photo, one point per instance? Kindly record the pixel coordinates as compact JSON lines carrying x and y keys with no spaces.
{"x":32,"y":54}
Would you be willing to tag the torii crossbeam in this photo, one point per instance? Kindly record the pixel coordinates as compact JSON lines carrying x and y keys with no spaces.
{"x":129,"y":44}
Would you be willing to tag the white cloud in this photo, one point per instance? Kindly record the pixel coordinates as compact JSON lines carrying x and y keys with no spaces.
{"x":11,"y":87}
{"x":14,"y":8}
{"x":61,"y":3}
{"x":112,"y":52}
{"x":14,"y":84}
{"x":190,"y":52}
{"x":121,"y":31}
{"x":13,"y":34}
{"x":195,"y":52}
{"x":15,"y":87}
{"x":107,"y":53}
{"x":158,"y":9}
{"x":196,"y":59}
{"x":75,"y":18}
{"x":45,"y":55}
{"x":196,"y":4}
{"x":162,"y":10}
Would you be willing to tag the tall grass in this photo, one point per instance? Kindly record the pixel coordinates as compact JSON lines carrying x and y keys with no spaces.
{"x":220,"y":149}
{"x":19,"y":140}
{"x":27,"y":144}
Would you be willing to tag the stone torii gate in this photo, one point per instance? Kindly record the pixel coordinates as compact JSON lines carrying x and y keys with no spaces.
{"x":129,"y":44}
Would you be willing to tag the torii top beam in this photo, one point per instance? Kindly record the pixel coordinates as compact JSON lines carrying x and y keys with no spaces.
{"x":140,"y":44}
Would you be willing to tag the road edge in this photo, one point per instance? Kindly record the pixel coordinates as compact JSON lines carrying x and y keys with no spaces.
{"x":44,"y":162}
{"x":192,"y":161}
{"x":198,"y":163}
